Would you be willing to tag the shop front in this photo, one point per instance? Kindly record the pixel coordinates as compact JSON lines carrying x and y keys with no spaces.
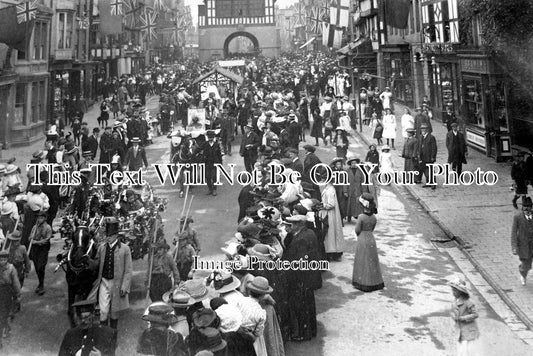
{"x":444,"y":85}
{"x":484,"y":106}
{"x":397,"y":66}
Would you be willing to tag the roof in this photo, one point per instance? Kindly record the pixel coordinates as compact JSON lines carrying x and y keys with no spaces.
{"x":224,"y":72}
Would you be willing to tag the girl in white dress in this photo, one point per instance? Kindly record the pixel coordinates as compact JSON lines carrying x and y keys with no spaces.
{"x":385,"y":160}
{"x":389,"y":127}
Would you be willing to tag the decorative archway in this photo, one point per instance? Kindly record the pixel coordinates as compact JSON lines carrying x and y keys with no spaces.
{"x":238,"y":34}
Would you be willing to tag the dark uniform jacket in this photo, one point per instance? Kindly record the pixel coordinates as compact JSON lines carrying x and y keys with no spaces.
{"x":250,"y":139}
{"x":101,"y":337}
{"x":211,"y":154}
{"x":90,"y":144}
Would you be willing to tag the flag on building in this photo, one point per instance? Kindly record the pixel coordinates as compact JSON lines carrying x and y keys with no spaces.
{"x":314,"y":21}
{"x":26,"y":11}
{"x":132,"y":13}
{"x":109,"y":24}
{"x":13,"y":33}
{"x":148,"y":23}
{"x":339,"y":13}
{"x":331,"y":36}
{"x":116,"y":8}
{"x":397,"y":13}
{"x":300,"y":15}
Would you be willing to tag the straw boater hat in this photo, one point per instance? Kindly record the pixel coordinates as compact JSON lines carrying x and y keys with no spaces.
{"x":460,"y":285}
{"x":259,"y":285}
{"x":224,"y":282}
{"x":11,"y":168}
{"x":135,"y":140}
{"x":296,"y":218}
{"x":160,"y":313}
{"x":178,"y":299}
{"x":385,"y":148}
{"x":38,"y":155}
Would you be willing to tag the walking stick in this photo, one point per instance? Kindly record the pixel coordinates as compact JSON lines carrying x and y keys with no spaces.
{"x":185,"y":201}
{"x":151,"y":259}
{"x":186,"y":215}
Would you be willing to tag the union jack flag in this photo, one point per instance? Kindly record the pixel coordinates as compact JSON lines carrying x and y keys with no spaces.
{"x":315,"y":19}
{"x":148,"y":24}
{"x":116,"y":7}
{"x":131,"y":14}
{"x":26,"y":11}
{"x":299,"y":14}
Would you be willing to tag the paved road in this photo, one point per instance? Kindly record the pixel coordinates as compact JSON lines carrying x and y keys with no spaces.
{"x":408,"y":317}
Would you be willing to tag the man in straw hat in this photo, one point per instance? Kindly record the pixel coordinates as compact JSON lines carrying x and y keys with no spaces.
{"x":89,"y":337}
{"x":136,"y":156}
{"x":522,"y":238}
{"x":114,"y":275}
{"x":9,"y":292}
{"x":159,"y":339}
{"x":163,"y":269}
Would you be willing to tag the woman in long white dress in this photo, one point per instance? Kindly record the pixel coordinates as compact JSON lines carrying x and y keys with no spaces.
{"x":385,"y":160}
{"x":389,"y":127}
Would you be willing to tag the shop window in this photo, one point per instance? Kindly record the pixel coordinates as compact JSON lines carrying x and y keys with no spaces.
{"x":64,"y":30}
{"x":474,"y":110}
{"x":20,"y":97}
{"x":35,"y":102}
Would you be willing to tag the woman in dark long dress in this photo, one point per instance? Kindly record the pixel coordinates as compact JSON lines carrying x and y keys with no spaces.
{"x":301,"y":285}
{"x":316,"y":130}
{"x":366,"y":269}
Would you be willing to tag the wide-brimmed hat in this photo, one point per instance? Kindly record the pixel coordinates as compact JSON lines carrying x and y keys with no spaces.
{"x":205,"y":318}
{"x":385,"y":148}
{"x":424,"y":126}
{"x":212,"y":339}
{"x":262,"y":252}
{"x":15,"y":235}
{"x":160,"y":313}
{"x":335,"y":160}
{"x":259,"y":285}
{"x":460,"y":285}
{"x":410,"y":130}
{"x":224,"y":282}
{"x":8,"y":208}
{"x":135,"y":140}
{"x":310,"y":148}
{"x":350,"y":159}
{"x":87,"y":153}
{"x":11,"y":168}
{"x":230,"y":318}
{"x":178,"y":299}
{"x":195,"y":288}
{"x":38,"y":155}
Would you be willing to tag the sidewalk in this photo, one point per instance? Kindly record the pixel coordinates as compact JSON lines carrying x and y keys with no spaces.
{"x":24,"y":154}
{"x":478,"y":217}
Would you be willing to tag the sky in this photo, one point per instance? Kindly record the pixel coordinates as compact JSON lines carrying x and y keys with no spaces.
{"x":194,"y":6}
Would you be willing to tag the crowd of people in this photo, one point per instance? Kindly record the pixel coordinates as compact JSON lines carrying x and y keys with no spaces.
{"x":250,"y":311}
